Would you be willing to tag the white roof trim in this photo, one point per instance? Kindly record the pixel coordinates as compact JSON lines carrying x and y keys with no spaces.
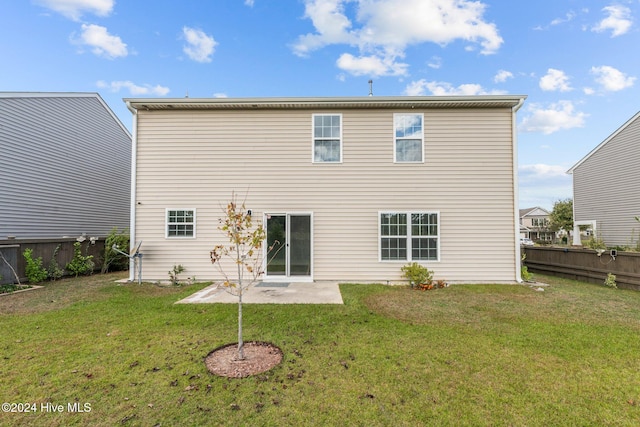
{"x":408,"y":102}
{"x":609,"y":138}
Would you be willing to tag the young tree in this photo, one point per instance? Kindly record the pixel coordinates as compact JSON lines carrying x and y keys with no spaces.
{"x":561,"y":217}
{"x":245,"y":250}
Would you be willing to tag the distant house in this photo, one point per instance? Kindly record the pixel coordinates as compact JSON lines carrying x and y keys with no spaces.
{"x":352,"y":188}
{"x":64,"y":166}
{"x":535,"y":224}
{"x":606,"y":188}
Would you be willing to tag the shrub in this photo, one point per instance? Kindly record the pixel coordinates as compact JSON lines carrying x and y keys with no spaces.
{"x":610,"y":281}
{"x":417,"y":274}
{"x":53,"y":270}
{"x":114,"y":261}
{"x":595,"y":243}
{"x":34,"y":270}
{"x":524,"y":270}
{"x":525,"y":274}
{"x":80,"y":264}
{"x":174,"y":272}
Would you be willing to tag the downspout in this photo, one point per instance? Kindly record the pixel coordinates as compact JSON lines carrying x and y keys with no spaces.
{"x":132,"y":214}
{"x":516,"y":192}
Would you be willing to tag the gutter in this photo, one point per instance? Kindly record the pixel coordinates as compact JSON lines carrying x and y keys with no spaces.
{"x":132,"y":207}
{"x":516,"y":192}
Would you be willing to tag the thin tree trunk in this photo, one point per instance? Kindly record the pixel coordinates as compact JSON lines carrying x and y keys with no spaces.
{"x":240,"y":340}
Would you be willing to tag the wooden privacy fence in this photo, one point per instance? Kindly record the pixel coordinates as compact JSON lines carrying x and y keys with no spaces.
{"x":12,"y":251}
{"x":585,"y":264}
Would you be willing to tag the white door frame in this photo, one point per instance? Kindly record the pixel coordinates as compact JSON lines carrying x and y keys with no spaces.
{"x":288,"y":277}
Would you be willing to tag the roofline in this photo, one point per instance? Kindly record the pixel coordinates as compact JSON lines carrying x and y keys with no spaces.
{"x":527,"y":211}
{"x":480,"y":101}
{"x":49,"y":94}
{"x":609,"y":138}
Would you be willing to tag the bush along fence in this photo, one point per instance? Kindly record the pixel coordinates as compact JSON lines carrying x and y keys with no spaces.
{"x":587,"y":265}
{"x":55,"y":257}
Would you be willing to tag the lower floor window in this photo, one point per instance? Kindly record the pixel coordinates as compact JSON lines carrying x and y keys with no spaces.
{"x":409,"y":236}
{"x":181,"y":223}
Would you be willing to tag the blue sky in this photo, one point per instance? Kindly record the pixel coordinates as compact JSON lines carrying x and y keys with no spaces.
{"x":577,"y":61}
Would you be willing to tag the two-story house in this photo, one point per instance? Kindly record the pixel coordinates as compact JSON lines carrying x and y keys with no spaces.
{"x":354,"y":188}
{"x":535,"y":225}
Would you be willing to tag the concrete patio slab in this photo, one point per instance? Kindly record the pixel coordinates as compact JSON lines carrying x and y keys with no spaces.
{"x":276,"y":293}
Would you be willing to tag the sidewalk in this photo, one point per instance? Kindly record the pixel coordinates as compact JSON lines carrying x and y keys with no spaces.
{"x":271,"y":293}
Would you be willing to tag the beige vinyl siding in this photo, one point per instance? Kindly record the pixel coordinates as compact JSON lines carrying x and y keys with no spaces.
{"x":194,"y":159}
{"x":606,"y":187}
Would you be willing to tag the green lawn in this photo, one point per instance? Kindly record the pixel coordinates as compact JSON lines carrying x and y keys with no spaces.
{"x":465,"y":355}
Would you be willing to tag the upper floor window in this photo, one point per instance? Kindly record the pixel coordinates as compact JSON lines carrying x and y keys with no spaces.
{"x":181,"y":223}
{"x":539,"y":222}
{"x":327,"y":138}
{"x":408,"y":138}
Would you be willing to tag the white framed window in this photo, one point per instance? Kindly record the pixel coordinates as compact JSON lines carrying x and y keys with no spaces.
{"x":408,"y":141}
{"x":409,"y":236}
{"x":327,"y":138}
{"x":180,"y":223}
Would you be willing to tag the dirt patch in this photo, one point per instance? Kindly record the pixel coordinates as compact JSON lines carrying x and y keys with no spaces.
{"x":259,"y":357}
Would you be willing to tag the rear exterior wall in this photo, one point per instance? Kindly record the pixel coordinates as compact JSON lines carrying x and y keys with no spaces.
{"x":195,"y":159}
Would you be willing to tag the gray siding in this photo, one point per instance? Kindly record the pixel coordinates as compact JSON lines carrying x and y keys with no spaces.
{"x":64,"y":166}
{"x":194,"y":159}
{"x":606,"y":187}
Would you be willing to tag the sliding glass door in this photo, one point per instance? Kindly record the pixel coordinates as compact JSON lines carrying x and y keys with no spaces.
{"x":289,"y":243}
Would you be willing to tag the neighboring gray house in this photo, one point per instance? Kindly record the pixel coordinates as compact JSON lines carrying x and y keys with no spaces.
{"x":606,"y":187}
{"x":65,"y":166}
{"x":351,"y":188}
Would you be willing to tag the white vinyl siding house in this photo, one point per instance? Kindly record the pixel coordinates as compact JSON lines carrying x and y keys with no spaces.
{"x":65,"y":166}
{"x":606,"y":187}
{"x":535,"y":224}
{"x":334,"y":216}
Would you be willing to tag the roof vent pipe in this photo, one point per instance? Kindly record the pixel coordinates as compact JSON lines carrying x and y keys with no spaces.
{"x":370,"y":87}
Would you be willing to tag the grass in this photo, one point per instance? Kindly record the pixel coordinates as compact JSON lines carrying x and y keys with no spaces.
{"x":465,"y":355}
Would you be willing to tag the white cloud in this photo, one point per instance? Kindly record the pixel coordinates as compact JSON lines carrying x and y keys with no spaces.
{"x":618,"y":20}
{"x":101,"y":42}
{"x":567,"y":18}
{"x":200,"y":46}
{"x":385,"y":28}
{"x":555,"y":80}
{"x":220,"y":95}
{"x":371,"y":65}
{"x":420,"y":87}
{"x":74,"y":9}
{"x":611,"y":79}
{"x":502,"y":76}
{"x":435,"y":62}
{"x":558,"y":116}
{"x":249,"y":2}
{"x":542,"y":171}
{"x":416,"y":88}
{"x":134,"y":89}
{"x":542,"y":185}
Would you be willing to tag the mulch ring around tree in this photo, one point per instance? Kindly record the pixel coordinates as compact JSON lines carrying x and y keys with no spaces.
{"x":259,"y":357}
